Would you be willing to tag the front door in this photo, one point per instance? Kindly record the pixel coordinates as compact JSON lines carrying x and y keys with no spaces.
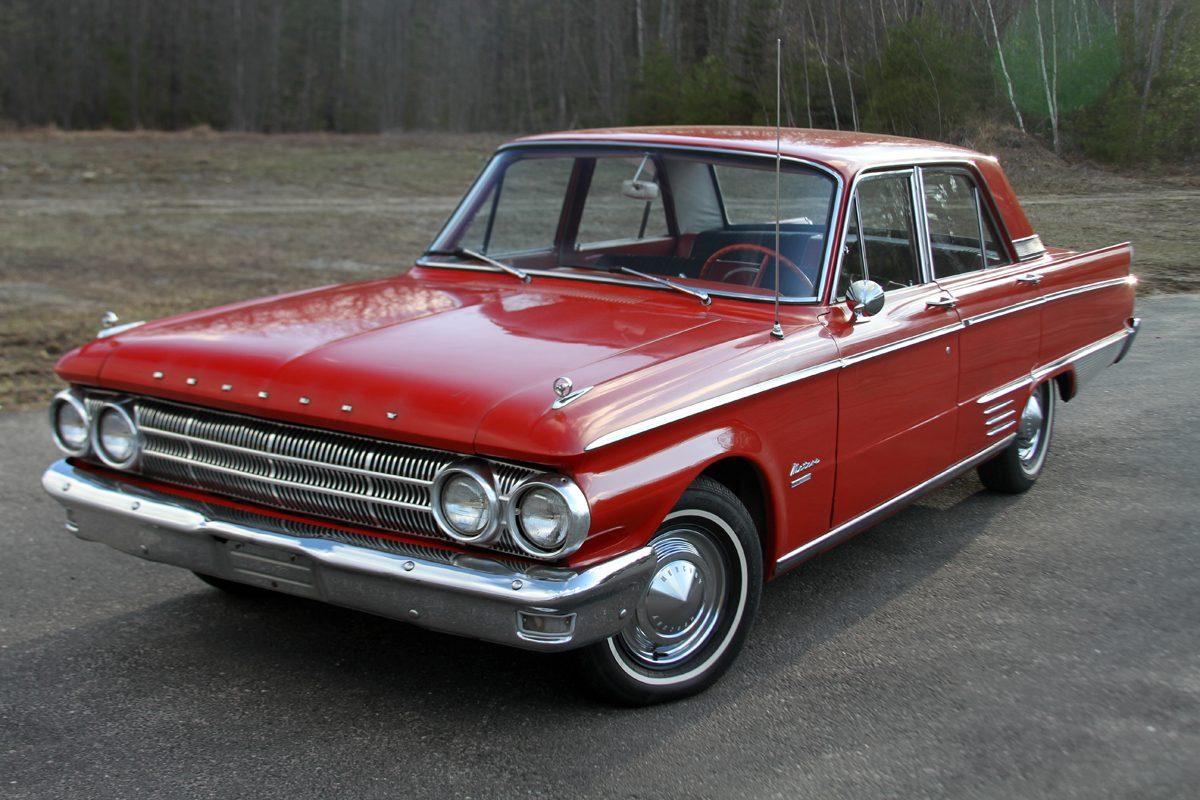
{"x":897,"y":390}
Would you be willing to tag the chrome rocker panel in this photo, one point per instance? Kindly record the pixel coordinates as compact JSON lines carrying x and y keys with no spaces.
{"x":473,"y":596}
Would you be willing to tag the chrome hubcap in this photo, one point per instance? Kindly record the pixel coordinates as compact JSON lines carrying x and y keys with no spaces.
{"x":681,"y":607}
{"x":1029,"y":431}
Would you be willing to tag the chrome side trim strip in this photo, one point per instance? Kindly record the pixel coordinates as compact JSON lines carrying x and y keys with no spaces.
{"x":763,"y":386}
{"x":1049,"y":298}
{"x":1000,"y":391}
{"x":890,"y":348}
{"x":711,"y":403}
{"x":1003,"y":312}
{"x":865,"y":520}
{"x":998,"y":406}
{"x":1058,"y":363}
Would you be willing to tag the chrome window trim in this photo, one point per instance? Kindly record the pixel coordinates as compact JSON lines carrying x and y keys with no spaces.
{"x":977,"y":191}
{"x":874,"y":172}
{"x":916,"y":164}
{"x":601,"y":277}
{"x":699,"y":150}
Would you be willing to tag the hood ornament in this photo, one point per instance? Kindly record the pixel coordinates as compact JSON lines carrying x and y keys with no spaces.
{"x":565,"y":391}
{"x":109,"y":326}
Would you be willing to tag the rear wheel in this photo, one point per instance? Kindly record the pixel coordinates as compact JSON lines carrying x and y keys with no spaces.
{"x":694,"y":617}
{"x":1018,"y":466}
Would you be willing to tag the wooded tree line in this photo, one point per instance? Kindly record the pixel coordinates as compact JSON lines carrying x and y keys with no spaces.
{"x":1118,"y":79}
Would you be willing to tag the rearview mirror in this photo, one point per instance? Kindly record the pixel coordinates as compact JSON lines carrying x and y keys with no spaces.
{"x":865,"y":299}
{"x":645,"y":191}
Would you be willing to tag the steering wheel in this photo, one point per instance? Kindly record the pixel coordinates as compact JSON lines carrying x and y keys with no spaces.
{"x":754,"y":272}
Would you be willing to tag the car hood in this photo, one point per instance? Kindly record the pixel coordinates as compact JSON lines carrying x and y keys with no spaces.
{"x":462,"y":361}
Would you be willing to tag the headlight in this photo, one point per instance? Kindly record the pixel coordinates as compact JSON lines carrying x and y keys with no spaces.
{"x":115,"y":436}
{"x":548,"y":516}
{"x":69,"y":423}
{"x":465,"y":503}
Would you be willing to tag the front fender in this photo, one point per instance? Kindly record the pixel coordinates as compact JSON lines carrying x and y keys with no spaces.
{"x":788,"y":435}
{"x":630,"y":498}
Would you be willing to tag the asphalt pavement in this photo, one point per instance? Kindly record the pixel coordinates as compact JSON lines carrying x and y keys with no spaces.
{"x":975,"y":645}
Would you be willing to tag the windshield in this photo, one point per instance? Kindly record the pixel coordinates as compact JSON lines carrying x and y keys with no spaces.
{"x":701,"y":220}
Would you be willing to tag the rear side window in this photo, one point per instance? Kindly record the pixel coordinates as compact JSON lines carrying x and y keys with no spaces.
{"x":961,"y":233}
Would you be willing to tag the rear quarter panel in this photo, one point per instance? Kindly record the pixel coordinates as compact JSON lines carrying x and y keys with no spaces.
{"x":1088,"y":296}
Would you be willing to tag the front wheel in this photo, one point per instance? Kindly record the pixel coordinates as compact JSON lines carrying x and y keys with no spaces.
{"x":694,"y":616}
{"x":1018,"y":466}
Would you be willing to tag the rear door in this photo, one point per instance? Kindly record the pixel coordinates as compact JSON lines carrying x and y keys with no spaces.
{"x":996,"y":299}
{"x":896,"y":392}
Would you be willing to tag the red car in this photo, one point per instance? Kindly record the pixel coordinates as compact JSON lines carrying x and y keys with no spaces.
{"x":600,"y":411}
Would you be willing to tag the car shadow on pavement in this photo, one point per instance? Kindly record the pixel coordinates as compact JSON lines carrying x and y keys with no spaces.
{"x":208,"y":671}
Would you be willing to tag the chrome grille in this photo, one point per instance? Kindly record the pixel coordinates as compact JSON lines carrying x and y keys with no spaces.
{"x":337,"y":476}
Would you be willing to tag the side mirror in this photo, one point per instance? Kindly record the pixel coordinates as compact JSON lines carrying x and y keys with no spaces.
{"x":865,"y":299}
{"x":640,"y":190}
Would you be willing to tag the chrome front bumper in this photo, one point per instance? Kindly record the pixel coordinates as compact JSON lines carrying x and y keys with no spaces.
{"x":530,"y":606}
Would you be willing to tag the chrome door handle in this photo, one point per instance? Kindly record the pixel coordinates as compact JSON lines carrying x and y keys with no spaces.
{"x":943,"y":302}
{"x":1031,"y":278}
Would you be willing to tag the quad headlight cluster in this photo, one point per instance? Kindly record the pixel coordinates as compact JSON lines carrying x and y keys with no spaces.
{"x":546,"y":515}
{"x":106,"y":430}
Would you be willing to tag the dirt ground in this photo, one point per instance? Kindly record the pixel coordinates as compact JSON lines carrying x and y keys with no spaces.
{"x":151,"y":224}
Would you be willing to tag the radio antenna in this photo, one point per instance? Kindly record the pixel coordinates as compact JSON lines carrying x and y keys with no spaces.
{"x":777,"y":329}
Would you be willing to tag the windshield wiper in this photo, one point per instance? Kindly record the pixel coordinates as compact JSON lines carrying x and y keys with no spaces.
{"x":463,"y":252}
{"x":697,"y":293}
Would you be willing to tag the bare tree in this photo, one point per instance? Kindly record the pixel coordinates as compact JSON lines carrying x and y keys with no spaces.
{"x":1008,"y":84}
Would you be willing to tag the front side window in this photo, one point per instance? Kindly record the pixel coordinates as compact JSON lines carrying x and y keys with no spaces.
{"x":521,"y":209}
{"x":701,"y":219}
{"x":961,"y":234}
{"x":881,"y":236}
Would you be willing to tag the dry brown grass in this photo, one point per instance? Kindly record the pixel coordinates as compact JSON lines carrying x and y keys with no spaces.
{"x":150,"y":224}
